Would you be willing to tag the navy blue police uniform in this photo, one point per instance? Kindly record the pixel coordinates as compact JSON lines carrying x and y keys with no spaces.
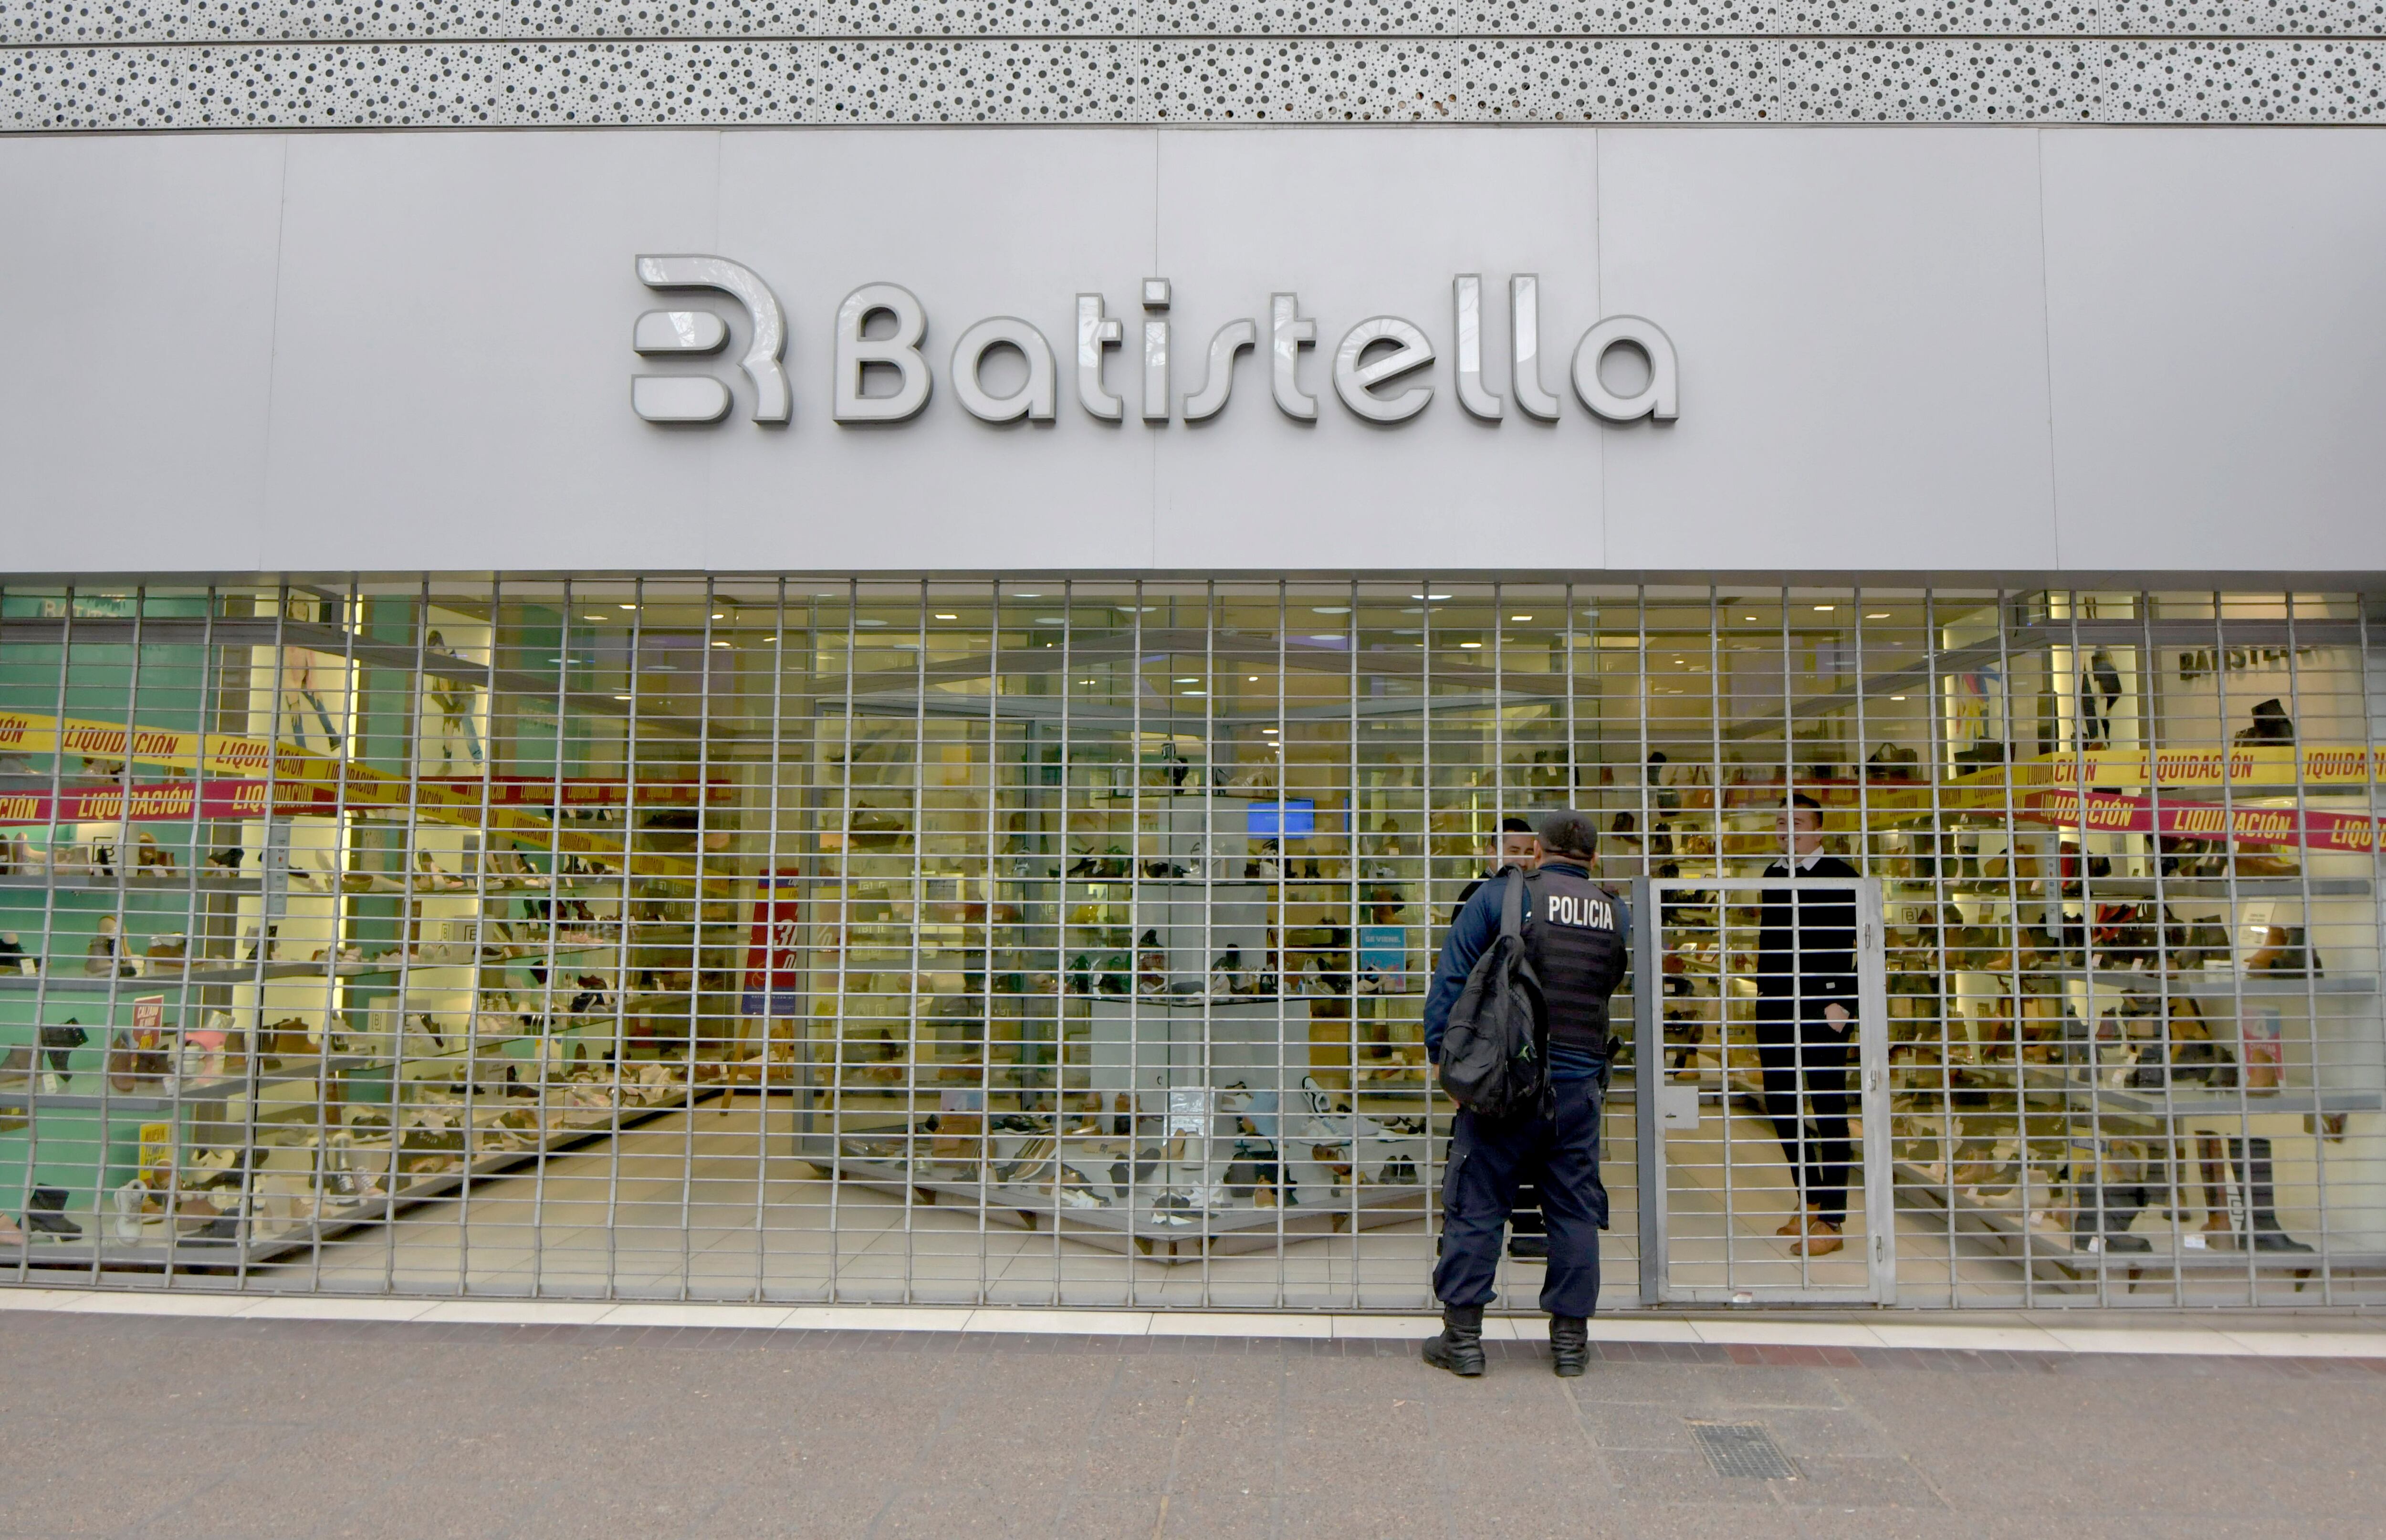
{"x":1577,"y":935}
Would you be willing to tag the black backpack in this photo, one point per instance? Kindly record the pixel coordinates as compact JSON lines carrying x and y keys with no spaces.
{"x":1495,"y":1048}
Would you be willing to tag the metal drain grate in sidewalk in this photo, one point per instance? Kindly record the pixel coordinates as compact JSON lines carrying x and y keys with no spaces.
{"x":1744,"y":1449}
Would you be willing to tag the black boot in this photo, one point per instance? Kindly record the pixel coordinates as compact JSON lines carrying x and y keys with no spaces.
{"x":1569,"y":1346}
{"x":1459,"y":1346}
{"x":2262,"y":1201}
{"x":45,"y":1213}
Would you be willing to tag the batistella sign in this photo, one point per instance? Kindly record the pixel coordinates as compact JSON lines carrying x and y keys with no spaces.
{"x":1376,"y":365}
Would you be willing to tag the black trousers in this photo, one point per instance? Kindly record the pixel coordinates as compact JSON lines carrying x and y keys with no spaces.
{"x":1818,"y":1160}
{"x":1478,"y":1193}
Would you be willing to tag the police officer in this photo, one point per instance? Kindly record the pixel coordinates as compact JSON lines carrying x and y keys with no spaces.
{"x":1576,"y":933}
{"x":1527,"y":1235}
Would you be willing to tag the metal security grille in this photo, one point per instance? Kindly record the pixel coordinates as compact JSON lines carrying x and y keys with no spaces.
{"x":1052,"y":940}
{"x":1745,"y":1148}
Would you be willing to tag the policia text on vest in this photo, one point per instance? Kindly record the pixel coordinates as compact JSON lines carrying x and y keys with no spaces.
{"x":1576,"y":935}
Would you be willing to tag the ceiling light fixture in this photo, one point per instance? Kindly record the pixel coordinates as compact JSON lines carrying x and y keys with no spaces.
{"x":1825,"y":609}
{"x":1878,"y":615}
{"x":941,"y":616}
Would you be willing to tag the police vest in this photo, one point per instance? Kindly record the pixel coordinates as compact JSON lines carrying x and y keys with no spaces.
{"x":1574,"y":932}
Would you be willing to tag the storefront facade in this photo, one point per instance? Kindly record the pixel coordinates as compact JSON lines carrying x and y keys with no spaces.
{"x":856,"y":708}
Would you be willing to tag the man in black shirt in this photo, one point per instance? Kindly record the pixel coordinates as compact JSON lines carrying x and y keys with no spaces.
{"x":1805,"y":1013}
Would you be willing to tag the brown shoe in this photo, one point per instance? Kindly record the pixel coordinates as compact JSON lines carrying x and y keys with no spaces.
{"x":1799,"y":1221}
{"x":1822,"y":1239}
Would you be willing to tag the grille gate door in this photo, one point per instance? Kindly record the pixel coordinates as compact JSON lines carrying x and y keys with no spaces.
{"x":1716,"y":1178}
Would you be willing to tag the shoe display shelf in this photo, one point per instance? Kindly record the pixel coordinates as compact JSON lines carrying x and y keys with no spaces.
{"x":489,"y":1089}
{"x":2031,"y":1227}
{"x":1168,"y":1156}
{"x":288,"y":1209}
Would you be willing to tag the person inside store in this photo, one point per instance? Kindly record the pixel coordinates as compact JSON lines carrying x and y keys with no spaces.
{"x":1805,"y":1017}
{"x":1577,"y":934}
{"x":1528,"y":1239}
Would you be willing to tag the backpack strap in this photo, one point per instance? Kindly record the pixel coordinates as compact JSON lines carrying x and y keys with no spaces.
{"x":1512,"y":906}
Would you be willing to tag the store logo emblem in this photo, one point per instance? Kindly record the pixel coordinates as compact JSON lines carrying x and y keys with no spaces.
{"x":1373,"y":365}
{"x":666,"y":334}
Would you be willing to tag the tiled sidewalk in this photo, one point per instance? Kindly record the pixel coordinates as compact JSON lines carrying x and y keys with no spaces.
{"x":2342,"y":1334}
{"x":660,"y":1421}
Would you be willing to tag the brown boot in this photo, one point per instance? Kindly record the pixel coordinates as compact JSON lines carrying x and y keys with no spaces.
{"x":1822,"y":1239}
{"x":1800,"y":1220}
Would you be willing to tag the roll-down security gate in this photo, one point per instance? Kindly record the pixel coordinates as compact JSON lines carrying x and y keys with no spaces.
{"x":1727,"y":1096}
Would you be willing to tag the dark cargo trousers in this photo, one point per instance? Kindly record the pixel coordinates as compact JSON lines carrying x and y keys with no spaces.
{"x":1478,"y":1191}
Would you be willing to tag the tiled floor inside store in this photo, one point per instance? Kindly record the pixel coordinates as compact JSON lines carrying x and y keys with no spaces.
{"x":756,"y":1222}
{"x":120,"y":1424}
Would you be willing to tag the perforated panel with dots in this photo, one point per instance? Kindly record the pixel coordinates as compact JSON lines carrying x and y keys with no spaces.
{"x":441,"y":63}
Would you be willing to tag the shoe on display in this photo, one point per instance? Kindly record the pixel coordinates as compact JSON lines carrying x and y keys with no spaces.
{"x":46,"y":1214}
{"x":128,"y":1200}
{"x":1569,"y":1346}
{"x":1460,"y":1347}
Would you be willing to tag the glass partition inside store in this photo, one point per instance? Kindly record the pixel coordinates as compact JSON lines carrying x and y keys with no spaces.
{"x":1061,"y":941}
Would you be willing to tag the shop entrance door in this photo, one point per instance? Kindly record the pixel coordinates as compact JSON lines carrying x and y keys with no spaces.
{"x":1745,"y":1107}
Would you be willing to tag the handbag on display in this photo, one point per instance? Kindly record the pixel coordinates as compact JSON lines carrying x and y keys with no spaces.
{"x":1891,"y":762}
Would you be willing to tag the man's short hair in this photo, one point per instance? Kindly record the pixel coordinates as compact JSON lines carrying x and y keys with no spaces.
{"x":1567,"y":832}
{"x":1511,"y":824}
{"x":1801,"y":801}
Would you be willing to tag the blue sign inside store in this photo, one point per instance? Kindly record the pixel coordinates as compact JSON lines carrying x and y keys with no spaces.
{"x":1291,"y":820}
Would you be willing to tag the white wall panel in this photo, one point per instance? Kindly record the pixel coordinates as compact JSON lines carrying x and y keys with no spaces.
{"x":418,"y":353}
{"x":454,"y":348}
{"x":136,"y":350}
{"x":1864,"y":363}
{"x":2217,"y":309}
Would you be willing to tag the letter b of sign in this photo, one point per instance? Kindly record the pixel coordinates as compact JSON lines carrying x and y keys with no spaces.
{"x":667,"y":334}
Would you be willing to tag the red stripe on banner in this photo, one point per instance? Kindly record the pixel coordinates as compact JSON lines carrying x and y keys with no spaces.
{"x":2125,"y":813}
{"x":162,"y":802}
{"x":165,"y":801}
